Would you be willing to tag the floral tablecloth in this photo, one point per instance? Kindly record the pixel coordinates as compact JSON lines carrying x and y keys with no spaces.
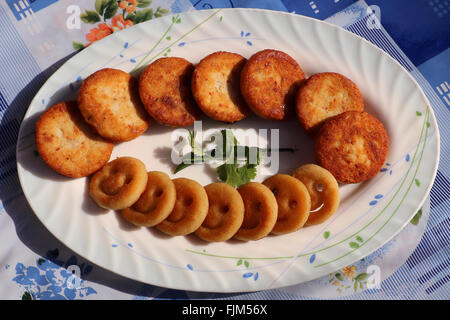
{"x":38,"y":36}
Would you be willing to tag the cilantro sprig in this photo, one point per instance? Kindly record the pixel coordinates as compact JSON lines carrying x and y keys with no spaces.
{"x":235,"y":171}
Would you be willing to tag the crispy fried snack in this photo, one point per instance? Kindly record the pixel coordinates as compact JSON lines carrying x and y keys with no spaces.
{"x":215,"y":85}
{"x":294,"y":202}
{"x":155,"y":203}
{"x":69,"y":145}
{"x":325,"y":95}
{"x":109,"y":101}
{"x":323,"y":190}
{"x":269,"y":81}
{"x":165,"y":90}
{"x":119,"y":183}
{"x":261,"y":211}
{"x":225,"y":213}
{"x":352,"y":146}
{"x":191,"y":208}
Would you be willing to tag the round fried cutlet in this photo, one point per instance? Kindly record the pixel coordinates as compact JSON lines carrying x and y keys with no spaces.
{"x":165,"y":90}
{"x":352,"y":146}
{"x":325,"y":95}
{"x":269,"y":81}
{"x":68,"y":144}
{"x":109,"y":101}
{"x":215,"y":85}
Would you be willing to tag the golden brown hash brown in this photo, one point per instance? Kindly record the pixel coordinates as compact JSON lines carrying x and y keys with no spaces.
{"x":165,"y":90}
{"x":109,"y":101}
{"x":325,"y":95}
{"x":269,"y":81}
{"x":352,"y":146}
{"x":69,"y":145}
{"x":215,"y":85}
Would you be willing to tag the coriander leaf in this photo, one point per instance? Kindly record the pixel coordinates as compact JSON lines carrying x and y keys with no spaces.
{"x":236,"y":176}
{"x":182,"y":166}
{"x":227,"y":149}
{"x":225,"y":146}
{"x":224,"y":171}
{"x":247,"y":174}
{"x":249,"y":154}
{"x":192,"y":135}
{"x":188,"y":160}
{"x":228,"y":174}
{"x":196,"y":148}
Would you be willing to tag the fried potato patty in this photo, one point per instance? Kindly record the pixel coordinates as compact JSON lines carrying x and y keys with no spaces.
{"x":325,"y":95}
{"x":119,"y":183}
{"x":269,"y":81}
{"x":225,"y":213}
{"x":109,"y":101}
{"x":352,"y":146}
{"x":68,"y":144}
{"x":165,"y":90}
{"x":215,"y":85}
{"x":190,"y":210}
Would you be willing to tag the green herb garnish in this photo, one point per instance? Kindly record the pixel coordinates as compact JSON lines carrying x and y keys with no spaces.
{"x":235,"y":171}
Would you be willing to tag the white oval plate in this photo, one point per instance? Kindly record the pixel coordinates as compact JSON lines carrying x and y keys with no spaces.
{"x":370,"y":213}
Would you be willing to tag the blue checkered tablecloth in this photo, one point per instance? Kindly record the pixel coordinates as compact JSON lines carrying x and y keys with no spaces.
{"x":37,"y":36}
